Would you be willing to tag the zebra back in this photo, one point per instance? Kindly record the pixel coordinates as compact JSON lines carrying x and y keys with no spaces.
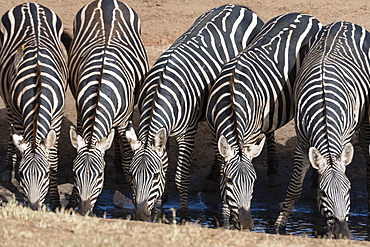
{"x":33,"y":71}
{"x":185,"y":72}
{"x":259,"y":99}
{"x":333,"y":87}
{"x":107,"y":64}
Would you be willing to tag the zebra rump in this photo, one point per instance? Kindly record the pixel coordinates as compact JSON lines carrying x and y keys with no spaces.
{"x":253,"y":97}
{"x":173,"y":99}
{"x":33,"y":76}
{"x":107,"y":63}
{"x":332,"y":102}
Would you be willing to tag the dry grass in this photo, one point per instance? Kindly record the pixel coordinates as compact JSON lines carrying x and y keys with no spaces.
{"x":23,"y":227}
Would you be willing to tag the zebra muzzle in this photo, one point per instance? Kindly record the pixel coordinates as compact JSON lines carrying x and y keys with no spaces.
{"x":340,"y":230}
{"x":85,"y":207}
{"x":245,"y":220}
{"x":34,"y":205}
{"x":142,"y":211}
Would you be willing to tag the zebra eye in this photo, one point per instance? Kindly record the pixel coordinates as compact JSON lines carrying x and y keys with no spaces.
{"x":229,"y":181}
{"x":46,"y":175}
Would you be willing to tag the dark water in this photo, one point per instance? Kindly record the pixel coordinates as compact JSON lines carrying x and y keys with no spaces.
{"x":303,"y":221}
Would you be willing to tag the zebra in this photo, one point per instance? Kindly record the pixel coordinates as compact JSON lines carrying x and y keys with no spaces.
{"x":107,"y":65}
{"x":332,"y":102}
{"x":252,"y":97}
{"x":173,"y":99}
{"x":33,"y":76}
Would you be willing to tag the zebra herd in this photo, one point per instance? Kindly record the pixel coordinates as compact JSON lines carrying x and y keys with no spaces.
{"x":244,"y":77}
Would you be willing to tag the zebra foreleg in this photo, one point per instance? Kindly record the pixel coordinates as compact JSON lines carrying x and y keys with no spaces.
{"x":10,"y":162}
{"x":73,"y":199}
{"x":123,"y":155}
{"x":53,"y":186}
{"x":182,"y":176}
{"x":294,"y":189}
{"x":226,"y":216}
{"x":272,"y":161}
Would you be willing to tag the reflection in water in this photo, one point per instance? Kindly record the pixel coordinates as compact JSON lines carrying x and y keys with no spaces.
{"x":302,"y":221}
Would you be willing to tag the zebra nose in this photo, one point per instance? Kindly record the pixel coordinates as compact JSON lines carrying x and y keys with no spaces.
{"x":142,"y":212}
{"x":34,"y":205}
{"x":245,"y":220}
{"x":341,"y":229}
{"x":85,"y":207}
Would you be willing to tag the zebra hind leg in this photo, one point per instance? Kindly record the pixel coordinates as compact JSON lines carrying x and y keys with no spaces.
{"x":182,"y":176}
{"x":272,"y":161}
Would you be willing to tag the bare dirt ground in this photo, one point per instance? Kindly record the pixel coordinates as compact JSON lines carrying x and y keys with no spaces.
{"x":163,"y":21}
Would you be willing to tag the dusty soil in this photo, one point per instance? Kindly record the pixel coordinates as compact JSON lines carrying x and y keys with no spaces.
{"x":162,"y":22}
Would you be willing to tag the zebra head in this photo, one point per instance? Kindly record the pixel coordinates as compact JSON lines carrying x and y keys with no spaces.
{"x":333,"y":197}
{"x":237,"y":180}
{"x":148,"y":172}
{"x":34,"y":167}
{"x":88,"y":168}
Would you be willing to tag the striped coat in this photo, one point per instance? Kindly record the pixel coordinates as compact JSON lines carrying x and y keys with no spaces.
{"x":33,"y":76}
{"x":107,"y":64}
{"x":332,"y":102}
{"x":252,"y":97}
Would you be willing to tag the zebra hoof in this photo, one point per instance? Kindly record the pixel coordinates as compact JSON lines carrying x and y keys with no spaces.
{"x":273,"y":180}
{"x":56,"y":207}
{"x":280,"y":230}
{"x":7,"y":176}
{"x":226,"y":224}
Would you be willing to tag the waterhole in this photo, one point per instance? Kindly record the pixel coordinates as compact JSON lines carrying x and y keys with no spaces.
{"x":303,"y":221}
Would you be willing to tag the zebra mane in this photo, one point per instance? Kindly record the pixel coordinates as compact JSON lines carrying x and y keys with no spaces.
{"x":95,"y":113}
{"x":103,"y":16}
{"x":38,"y":103}
{"x":234,"y":111}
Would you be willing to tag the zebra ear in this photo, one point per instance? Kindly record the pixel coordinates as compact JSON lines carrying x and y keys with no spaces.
{"x":160,"y":140}
{"x":346,"y":155}
{"x":19,"y":142}
{"x":224,"y":148}
{"x":106,"y":142}
{"x":316,"y":159}
{"x":76,"y":140}
{"x":252,"y":151}
{"x":50,"y":140}
{"x":132,"y":138}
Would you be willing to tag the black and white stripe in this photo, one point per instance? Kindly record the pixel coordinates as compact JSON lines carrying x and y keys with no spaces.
{"x":252,"y":97}
{"x":107,"y":63}
{"x":33,"y":76}
{"x":174,"y":97}
{"x":332,"y":97}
